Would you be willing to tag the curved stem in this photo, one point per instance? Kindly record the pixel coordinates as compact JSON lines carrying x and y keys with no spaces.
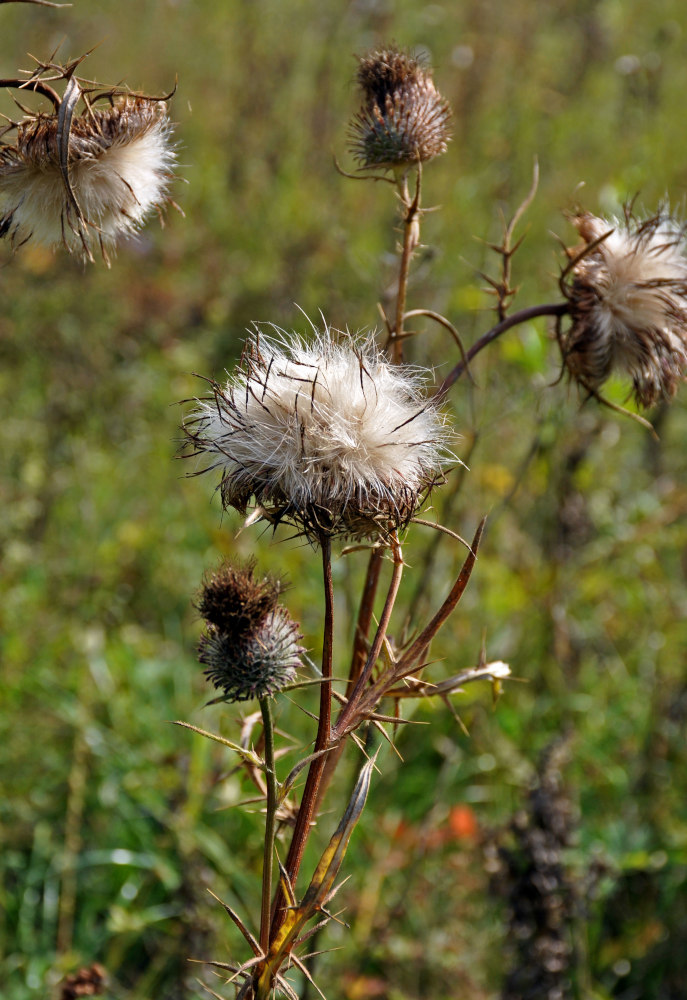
{"x":522,"y":316}
{"x":306,"y":811}
{"x":38,"y":87}
{"x":438,"y":318}
{"x":270,"y":824}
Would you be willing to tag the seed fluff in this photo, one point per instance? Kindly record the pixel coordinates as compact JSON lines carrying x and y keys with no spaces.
{"x":327,"y":435}
{"x":628,"y":304}
{"x":119,"y":166}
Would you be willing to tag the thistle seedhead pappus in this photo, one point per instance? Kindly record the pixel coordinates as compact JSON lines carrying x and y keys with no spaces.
{"x":328,"y":436}
{"x":403,"y":119}
{"x":91,"y":178}
{"x":627,"y":290}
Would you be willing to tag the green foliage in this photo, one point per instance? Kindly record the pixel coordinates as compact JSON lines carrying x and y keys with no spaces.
{"x":113,"y":821}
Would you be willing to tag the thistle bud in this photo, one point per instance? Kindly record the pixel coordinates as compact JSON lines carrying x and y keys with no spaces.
{"x":628,"y":305}
{"x":330,"y":437}
{"x":118,"y":169}
{"x":251,"y":645}
{"x":403,"y":120}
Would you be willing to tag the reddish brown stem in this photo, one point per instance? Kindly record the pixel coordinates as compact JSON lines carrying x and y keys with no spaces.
{"x":365,"y":613}
{"x":349,"y":710}
{"x":522,"y":316}
{"x":410,"y":241}
{"x":306,"y":811}
{"x":358,"y":658}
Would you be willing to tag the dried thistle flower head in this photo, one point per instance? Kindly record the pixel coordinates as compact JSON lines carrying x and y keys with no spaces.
{"x":87,"y":982}
{"x":628,"y":304}
{"x":403,"y":120}
{"x":119,"y":166}
{"x":251,"y":645}
{"x":328,"y":436}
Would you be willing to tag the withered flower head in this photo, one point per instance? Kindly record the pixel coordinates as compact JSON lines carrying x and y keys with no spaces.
{"x":403,"y":120}
{"x":251,"y":645}
{"x":328,"y":436}
{"x":628,"y":304}
{"x":118,"y":170}
{"x":87,"y":982}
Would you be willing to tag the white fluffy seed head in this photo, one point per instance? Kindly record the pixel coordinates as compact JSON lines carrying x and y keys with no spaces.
{"x":326,"y":435}
{"x":119,"y":167}
{"x":628,"y":303}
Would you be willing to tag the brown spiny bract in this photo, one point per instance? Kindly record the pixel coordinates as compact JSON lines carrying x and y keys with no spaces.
{"x":403,"y":120}
{"x":250,"y":647}
{"x":234,"y":601}
{"x":628,"y":305}
{"x":118,"y":169}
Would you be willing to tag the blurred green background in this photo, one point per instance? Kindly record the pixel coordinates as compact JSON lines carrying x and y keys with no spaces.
{"x":114,"y":822}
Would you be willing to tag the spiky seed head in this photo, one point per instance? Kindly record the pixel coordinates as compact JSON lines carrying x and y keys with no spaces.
{"x":327,"y":435}
{"x":251,"y":645}
{"x":403,"y":120}
{"x":628,"y":304}
{"x":120,"y":162}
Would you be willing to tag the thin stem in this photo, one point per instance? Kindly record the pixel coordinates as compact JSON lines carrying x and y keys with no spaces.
{"x":309,"y":799}
{"x":362,"y":631}
{"x":39,"y":3}
{"x":365,"y":612}
{"x":411,"y":238}
{"x":438,"y":318}
{"x":522,"y":316}
{"x":349,"y":710}
{"x":270,"y":824}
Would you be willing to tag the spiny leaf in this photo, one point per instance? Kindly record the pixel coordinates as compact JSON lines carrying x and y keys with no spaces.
{"x":248,"y":755}
{"x":322,"y":884}
{"x":330,"y":862}
{"x":240,"y":924}
{"x":287,"y":784}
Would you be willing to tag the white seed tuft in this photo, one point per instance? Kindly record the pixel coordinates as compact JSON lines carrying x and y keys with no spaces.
{"x":327,"y":435}
{"x":628,"y":303}
{"x":119,"y":167}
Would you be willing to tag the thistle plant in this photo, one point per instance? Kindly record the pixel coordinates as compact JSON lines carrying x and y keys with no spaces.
{"x":628,"y":304}
{"x":334,"y":435}
{"x":339,"y":439}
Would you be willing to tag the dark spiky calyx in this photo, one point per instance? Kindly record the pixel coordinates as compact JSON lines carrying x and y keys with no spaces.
{"x":404,"y":119}
{"x":253,"y":664}
{"x":250,"y":646}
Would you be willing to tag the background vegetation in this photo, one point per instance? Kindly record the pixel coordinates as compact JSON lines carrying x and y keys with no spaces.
{"x":113,"y":821}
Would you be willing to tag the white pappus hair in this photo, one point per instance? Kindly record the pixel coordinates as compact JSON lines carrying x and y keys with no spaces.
{"x":120,"y":162}
{"x":327,"y":435}
{"x":628,"y":303}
